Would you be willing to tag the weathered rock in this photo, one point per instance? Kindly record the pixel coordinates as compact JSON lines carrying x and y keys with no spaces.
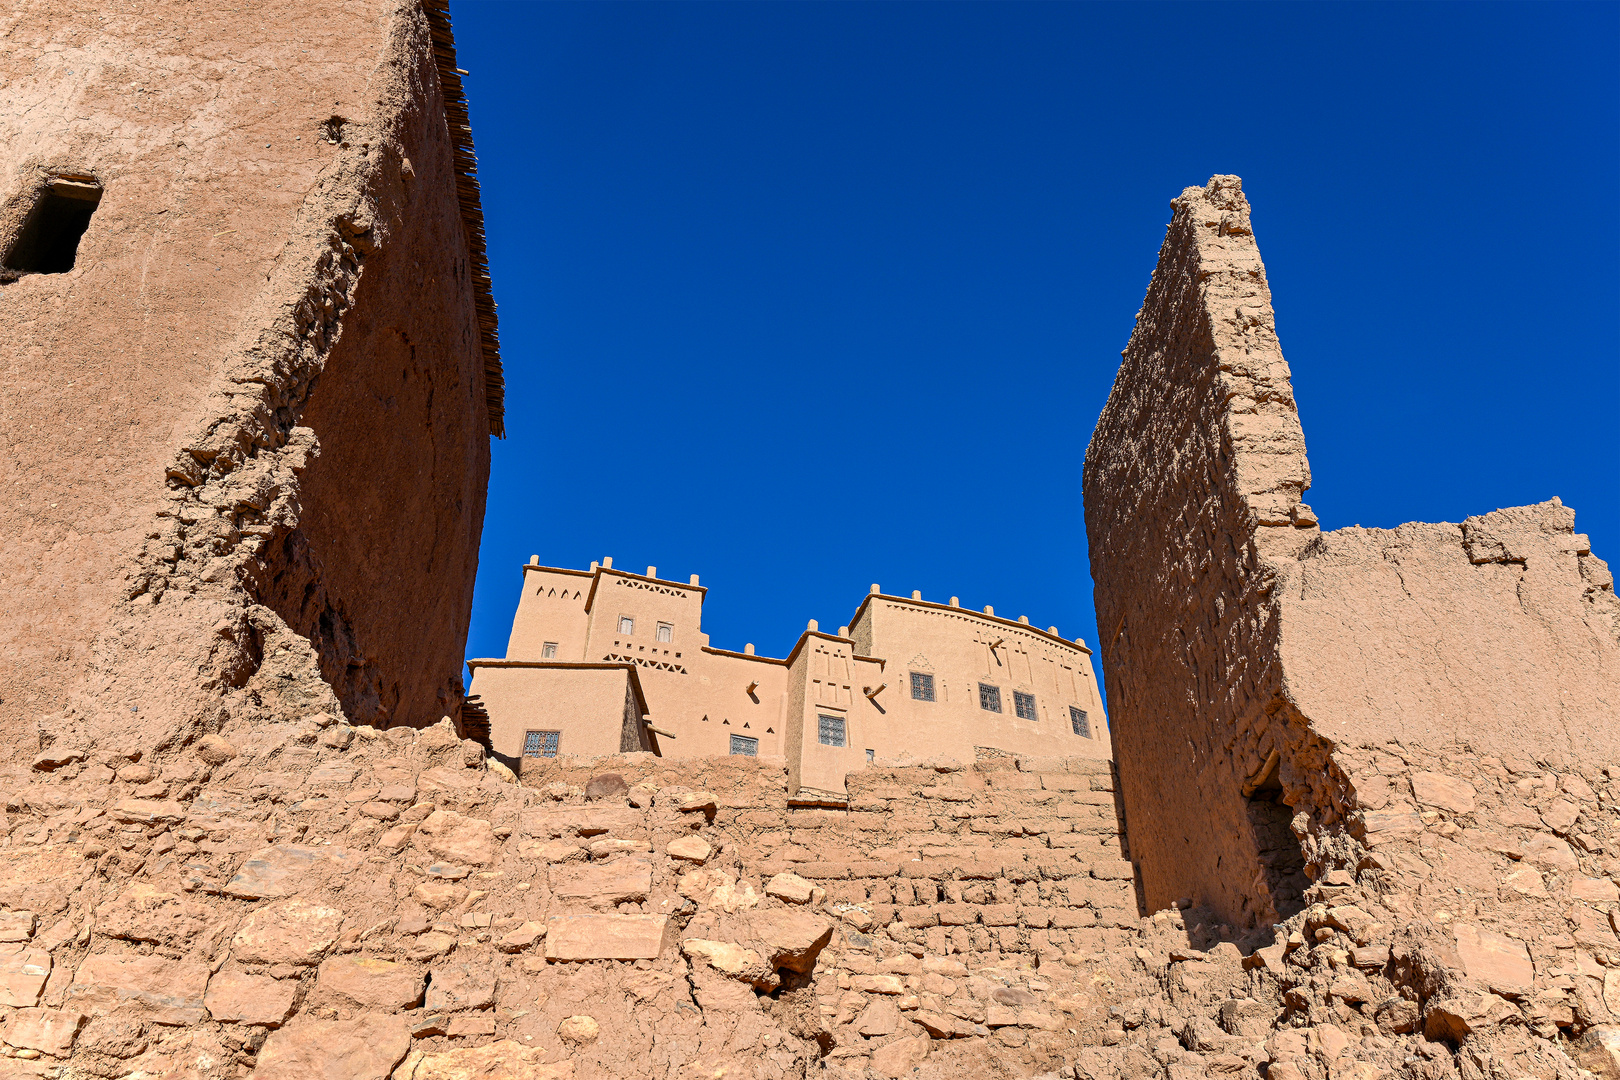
{"x":23,"y":972}
{"x":16,"y":926}
{"x":372,"y":982}
{"x":606,"y":937}
{"x":147,"y":812}
{"x":366,"y":1047}
{"x":579,"y":1030}
{"x":900,"y":1057}
{"x":1446,"y":792}
{"x":504,"y":1060}
{"x":1463,"y":1014}
{"x":284,"y":870}
{"x":215,"y":750}
{"x":240,"y":998}
{"x":166,"y":991}
{"x":457,"y":839}
{"x":602,"y":885}
{"x":690,"y":848}
{"x":726,"y":956}
{"x":789,"y":887}
{"x":50,"y":1031}
{"x":292,"y":931}
{"x":144,"y":913}
{"x":454,"y":987}
{"x":522,"y":937}
{"x":882,"y":1017}
{"x":1550,"y":852}
{"x":791,"y":939}
{"x":1495,"y":961}
{"x":605,"y":786}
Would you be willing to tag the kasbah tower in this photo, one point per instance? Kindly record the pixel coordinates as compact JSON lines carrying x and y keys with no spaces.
{"x":1354,"y":811}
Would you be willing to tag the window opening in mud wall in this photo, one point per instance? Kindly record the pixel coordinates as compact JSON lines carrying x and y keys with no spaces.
{"x":48,"y":242}
{"x":830,"y":730}
{"x":922,"y":686}
{"x":541,"y":743}
{"x":1080,"y":722}
{"x":666,"y":632}
{"x":1281,"y":860}
{"x":744,"y":746}
{"x":548,"y":651}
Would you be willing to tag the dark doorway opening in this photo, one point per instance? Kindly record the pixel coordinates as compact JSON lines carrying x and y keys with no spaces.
{"x":1271,"y":822}
{"x":49,"y":240}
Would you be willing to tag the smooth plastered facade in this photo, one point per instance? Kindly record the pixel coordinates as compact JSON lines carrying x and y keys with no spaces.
{"x":906,"y":678}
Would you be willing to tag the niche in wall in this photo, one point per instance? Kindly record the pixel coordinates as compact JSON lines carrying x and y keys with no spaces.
{"x":48,"y":242}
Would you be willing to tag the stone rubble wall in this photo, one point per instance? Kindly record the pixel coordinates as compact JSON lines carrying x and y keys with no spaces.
{"x":288,"y":900}
{"x":280,"y":894}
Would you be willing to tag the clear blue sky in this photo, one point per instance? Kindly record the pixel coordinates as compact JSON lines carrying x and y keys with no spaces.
{"x":801,"y":297}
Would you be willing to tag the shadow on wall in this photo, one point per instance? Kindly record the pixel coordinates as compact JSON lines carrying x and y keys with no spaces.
{"x":1282,"y":860}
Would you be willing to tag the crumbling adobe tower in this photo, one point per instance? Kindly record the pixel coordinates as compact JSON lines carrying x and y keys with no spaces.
{"x":251,"y":368}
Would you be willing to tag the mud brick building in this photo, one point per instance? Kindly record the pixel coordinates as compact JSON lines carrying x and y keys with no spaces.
{"x":603,"y":661}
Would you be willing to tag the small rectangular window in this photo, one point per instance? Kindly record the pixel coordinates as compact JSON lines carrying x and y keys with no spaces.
{"x":627,"y":625}
{"x":1080,"y":722}
{"x":1024,"y":706}
{"x":548,"y":651}
{"x":744,"y":746}
{"x":871,"y":756}
{"x":541,"y":743}
{"x":989,"y":698}
{"x":922,"y":686}
{"x":830,"y":730}
{"x":666,"y":632}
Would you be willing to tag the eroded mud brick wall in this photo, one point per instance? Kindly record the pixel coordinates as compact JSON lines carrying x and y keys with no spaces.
{"x":1427,"y":711}
{"x":256,"y":408}
{"x":1192,"y":484}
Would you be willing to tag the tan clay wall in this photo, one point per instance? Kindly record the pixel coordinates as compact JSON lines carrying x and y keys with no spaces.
{"x":588,"y":706}
{"x":954,"y":646}
{"x":551,"y":608}
{"x":207,"y":153}
{"x":159,"y":402}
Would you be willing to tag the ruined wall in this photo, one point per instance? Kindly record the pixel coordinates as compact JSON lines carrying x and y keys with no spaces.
{"x":287,"y":900}
{"x":208,"y":410}
{"x":1419,"y":721}
{"x":1192,"y":483}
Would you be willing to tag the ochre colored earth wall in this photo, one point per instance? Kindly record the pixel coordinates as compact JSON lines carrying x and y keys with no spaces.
{"x":268,"y":353}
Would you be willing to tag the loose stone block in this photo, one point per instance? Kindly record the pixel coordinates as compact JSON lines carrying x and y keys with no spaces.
{"x":602,"y":885}
{"x":606,"y":937}
{"x":50,"y":1031}
{"x":240,"y":998}
{"x":168,"y":991}
{"x":367,"y":1047}
{"x":372,"y":982}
